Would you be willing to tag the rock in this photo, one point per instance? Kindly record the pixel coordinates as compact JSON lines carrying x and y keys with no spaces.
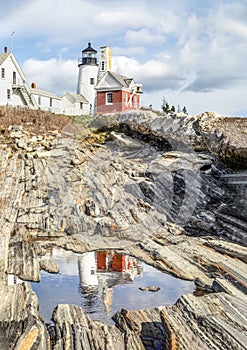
{"x":15,"y":128}
{"x":48,"y":265}
{"x":20,"y":324}
{"x":220,"y":135}
{"x":194,"y":323}
{"x":22,"y":142}
{"x":147,"y":192}
{"x":225,"y":137}
{"x":150,"y":289}
{"x":22,"y":261}
{"x":142,"y":325}
{"x":75,"y":330}
{"x":201,"y":285}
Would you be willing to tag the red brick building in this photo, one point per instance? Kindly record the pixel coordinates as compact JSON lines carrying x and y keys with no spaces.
{"x":117,"y":93}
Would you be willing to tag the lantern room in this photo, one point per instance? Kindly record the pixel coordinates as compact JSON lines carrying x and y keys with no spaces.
{"x":88,"y":56}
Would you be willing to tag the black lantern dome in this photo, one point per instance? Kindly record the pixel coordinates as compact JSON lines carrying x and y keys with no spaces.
{"x":88,"y":56}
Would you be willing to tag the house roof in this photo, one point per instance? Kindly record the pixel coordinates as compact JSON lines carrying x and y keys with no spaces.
{"x":3,"y":57}
{"x":124,"y":81}
{"x":76,"y":97}
{"x":43,"y":93}
{"x":113,"y":80}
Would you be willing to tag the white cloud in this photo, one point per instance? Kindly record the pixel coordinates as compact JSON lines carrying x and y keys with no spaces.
{"x":143,"y":35}
{"x":166,"y":45}
{"x":55,"y":75}
{"x":129,"y":51}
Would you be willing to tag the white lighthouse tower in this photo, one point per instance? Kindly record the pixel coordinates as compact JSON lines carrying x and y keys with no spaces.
{"x":87,"y":78}
{"x":104,"y":62}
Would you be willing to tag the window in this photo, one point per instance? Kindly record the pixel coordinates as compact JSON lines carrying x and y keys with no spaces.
{"x":3,"y":73}
{"x":102,"y":65}
{"x":81,"y":105}
{"x":14,"y":78}
{"x":50,"y":102}
{"x":109,"y":98}
{"x":39,"y":100}
{"x":8,"y":94}
{"x":92,"y":81}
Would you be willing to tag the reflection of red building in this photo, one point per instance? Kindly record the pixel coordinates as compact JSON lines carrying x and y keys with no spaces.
{"x":112,"y":261}
{"x":102,"y":270}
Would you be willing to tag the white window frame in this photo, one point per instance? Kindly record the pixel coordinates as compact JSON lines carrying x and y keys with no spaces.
{"x":108,"y":99}
{"x":51,"y":101}
{"x":135,"y":102}
{"x":126,"y":99}
{"x":92,"y":81}
{"x":39,"y":100}
{"x":3,"y":73}
{"x":8,"y":94}
{"x":103,"y":65}
{"x":81,"y":105}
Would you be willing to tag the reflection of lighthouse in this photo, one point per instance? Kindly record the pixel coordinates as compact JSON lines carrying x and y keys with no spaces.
{"x":87,"y":269}
{"x":88,"y":281}
{"x":102,"y":270}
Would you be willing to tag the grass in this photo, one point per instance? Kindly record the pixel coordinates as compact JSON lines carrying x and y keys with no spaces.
{"x":36,"y":122}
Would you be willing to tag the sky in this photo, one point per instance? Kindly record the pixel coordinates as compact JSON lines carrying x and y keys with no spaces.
{"x":193,"y":53}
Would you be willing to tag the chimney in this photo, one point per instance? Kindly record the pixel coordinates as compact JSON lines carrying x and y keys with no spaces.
{"x":5,"y":49}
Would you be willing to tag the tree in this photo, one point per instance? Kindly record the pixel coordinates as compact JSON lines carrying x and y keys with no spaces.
{"x":165,"y":105}
{"x":173,"y":109}
{"x":185,"y":110}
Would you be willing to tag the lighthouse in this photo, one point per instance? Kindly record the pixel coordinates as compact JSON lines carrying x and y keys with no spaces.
{"x":87,"y":77}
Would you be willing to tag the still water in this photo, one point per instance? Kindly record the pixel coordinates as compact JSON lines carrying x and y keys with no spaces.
{"x":103,"y":283}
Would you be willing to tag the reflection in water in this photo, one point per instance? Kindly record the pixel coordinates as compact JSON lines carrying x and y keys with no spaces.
{"x":102,"y":270}
{"x":12,"y":280}
{"x":103,"y":282}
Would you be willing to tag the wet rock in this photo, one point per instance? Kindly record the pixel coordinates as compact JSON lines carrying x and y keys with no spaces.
{"x":150,"y":289}
{"x":23,"y":262}
{"x":75,"y":330}
{"x":144,"y":326}
{"x":49,"y":265}
{"x":201,"y":285}
{"x":20,"y":324}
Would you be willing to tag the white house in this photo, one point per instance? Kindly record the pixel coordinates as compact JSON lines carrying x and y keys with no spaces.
{"x":45,"y":100}
{"x":98,"y":89}
{"x":13,"y":83}
{"x":15,"y":91}
{"x":75,"y":104}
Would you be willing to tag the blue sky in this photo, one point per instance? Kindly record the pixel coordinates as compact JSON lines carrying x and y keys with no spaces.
{"x":192,"y":52}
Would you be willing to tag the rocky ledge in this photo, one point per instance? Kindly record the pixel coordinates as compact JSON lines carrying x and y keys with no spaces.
{"x":157,"y":188}
{"x":223,"y":136}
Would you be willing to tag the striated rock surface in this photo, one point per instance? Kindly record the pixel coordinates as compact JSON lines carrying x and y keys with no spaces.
{"x":154,"y":190}
{"x":20,"y":324}
{"x":223,"y":136}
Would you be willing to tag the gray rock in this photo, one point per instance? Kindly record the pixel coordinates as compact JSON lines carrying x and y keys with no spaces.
{"x":149,"y":193}
{"x":49,"y":265}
